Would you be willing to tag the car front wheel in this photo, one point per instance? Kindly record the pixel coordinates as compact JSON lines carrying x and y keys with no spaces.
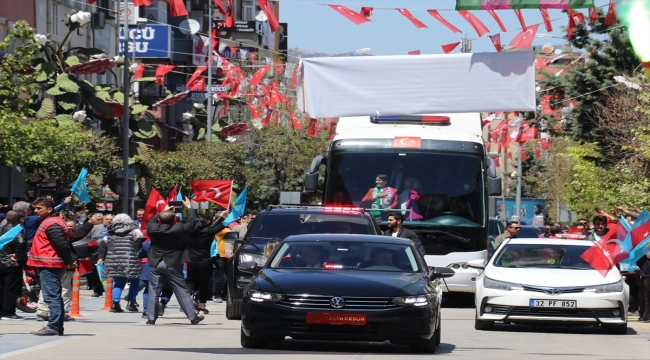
{"x":428,"y":346}
{"x":233,"y":308}
{"x":483,"y":325}
{"x":251,"y":342}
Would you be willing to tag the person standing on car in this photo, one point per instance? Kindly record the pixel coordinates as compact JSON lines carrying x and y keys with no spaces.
{"x":395,"y":229}
{"x":512,"y":229}
{"x":11,"y":270}
{"x":51,"y":255}
{"x":166,"y":261}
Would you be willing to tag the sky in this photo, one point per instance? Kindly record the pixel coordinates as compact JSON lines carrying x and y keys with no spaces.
{"x":320,"y":28}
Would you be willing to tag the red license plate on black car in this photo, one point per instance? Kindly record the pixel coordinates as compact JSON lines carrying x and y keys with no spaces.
{"x":336,"y":319}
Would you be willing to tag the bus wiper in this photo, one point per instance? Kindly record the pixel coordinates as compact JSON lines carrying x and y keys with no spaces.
{"x":459,"y":238}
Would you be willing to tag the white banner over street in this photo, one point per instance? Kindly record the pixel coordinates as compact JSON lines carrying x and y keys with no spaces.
{"x":422,"y":84}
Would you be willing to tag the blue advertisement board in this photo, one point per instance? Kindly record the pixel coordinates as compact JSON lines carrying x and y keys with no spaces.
{"x":531,"y":212}
{"x":148,"y":41}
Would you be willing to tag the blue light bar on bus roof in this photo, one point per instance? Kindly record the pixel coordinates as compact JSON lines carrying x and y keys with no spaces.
{"x":424,"y":119}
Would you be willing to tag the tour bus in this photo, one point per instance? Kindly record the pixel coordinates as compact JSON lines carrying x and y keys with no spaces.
{"x":433,"y":169}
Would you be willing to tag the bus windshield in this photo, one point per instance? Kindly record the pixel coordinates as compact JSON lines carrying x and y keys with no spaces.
{"x":430,"y":188}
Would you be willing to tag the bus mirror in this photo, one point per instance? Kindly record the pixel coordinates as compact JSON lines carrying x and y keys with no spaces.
{"x":494,"y":186}
{"x":311,"y":182}
{"x":316,"y":163}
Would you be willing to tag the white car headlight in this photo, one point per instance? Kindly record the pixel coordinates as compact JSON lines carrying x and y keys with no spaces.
{"x":259,"y":259}
{"x":420,"y":300}
{"x":500,"y":285}
{"x":607,"y":288}
{"x":262,"y":296}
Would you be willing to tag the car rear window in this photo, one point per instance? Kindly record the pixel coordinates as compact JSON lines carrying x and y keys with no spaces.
{"x":282,"y":225}
{"x":542,"y":256}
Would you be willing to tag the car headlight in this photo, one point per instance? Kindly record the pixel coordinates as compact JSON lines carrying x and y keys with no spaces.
{"x":607,"y":288}
{"x":258,"y":258}
{"x":500,"y":285}
{"x":262,"y":296}
{"x":419,"y":300}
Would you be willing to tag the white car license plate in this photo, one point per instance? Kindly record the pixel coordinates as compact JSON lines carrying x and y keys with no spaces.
{"x":568,"y":304}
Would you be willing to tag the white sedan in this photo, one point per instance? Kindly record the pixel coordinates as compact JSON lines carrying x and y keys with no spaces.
{"x":545,"y":281}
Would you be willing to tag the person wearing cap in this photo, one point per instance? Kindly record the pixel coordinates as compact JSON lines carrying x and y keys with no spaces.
{"x":11,"y":260}
{"x":512,"y":229}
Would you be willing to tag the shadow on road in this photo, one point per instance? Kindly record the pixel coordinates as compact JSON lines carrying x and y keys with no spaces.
{"x":596,"y":330}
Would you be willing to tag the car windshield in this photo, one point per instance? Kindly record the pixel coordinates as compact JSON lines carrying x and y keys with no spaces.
{"x":546,"y":256}
{"x":281,"y":225}
{"x":345,"y":255}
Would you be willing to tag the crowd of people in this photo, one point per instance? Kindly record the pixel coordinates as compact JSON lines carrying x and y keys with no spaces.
{"x":165,"y":257}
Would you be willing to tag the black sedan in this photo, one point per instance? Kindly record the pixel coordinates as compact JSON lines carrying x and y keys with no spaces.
{"x":343,"y":287}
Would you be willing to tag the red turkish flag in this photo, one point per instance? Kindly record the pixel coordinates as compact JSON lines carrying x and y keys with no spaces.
{"x":547,"y":20}
{"x":161,"y":71}
{"x":333,"y":129}
{"x":525,"y":38}
{"x":544,"y":143}
{"x":214,"y":41}
{"x":259,"y":74}
{"x":414,"y":52}
{"x":496,"y":18}
{"x":135,"y":2}
{"x":230,"y":17}
{"x":480,"y":28}
{"x":593,"y":15}
{"x":538,"y":153}
{"x":496,"y":41}
{"x":352,"y":15}
{"x":199,"y":70}
{"x":216,"y":191}
{"x":640,"y":233}
{"x":268,"y":11}
{"x":366,"y":11}
{"x":497,"y":162}
{"x":610,"y":18}
{"x":601,"y":256}
{"x":139,"y":71}
{"x":173,"y":194}
{"x":198,"y":85}
{"x":294,"y":80}
{"x":523,"y":155}
{"x":254,"y":112}
{"x":520,"y":16}
{"x":295,"y":122}
{"x":571,"y":26}
{"x":155,"y":204}
{"x":407,"y":142}
{"x":447,"y":48}
{"x":444,"y":22}
{"x":177,"y":8}
{"x":312,"y":129}
{"x":418,"y":24}
{"x":509,"y":155}
{"x":530,"y":134}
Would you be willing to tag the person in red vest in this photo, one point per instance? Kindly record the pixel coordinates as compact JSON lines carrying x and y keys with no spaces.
{"x":51,"y":255}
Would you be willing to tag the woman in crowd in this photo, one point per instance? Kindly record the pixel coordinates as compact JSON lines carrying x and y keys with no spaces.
{"x":382,"y":196}
{"x":408,"y":199}
{"x":119,"y":253}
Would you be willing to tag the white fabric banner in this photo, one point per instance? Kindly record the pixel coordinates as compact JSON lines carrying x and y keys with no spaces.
{"x":425,"y":84}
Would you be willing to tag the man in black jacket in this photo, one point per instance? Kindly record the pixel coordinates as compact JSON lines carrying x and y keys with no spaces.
{"x":395,"y":229}
{"x":166,"y":260}
{"x":644,"y":264}
{"x":12,"y":257}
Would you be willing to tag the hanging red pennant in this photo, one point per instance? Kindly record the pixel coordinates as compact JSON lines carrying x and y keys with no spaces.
{"x":520,"y":17}
{"x":544,"y":143}
{"x":312,"y":129}
{"x":509,"y":155}
{"x":139,"y":71}
{"x":531,"y":133}
{"x":366,"y":11}
{"x":352,"y":15}
{"x":161,"y":71}
{"x":538,"y":153}
{"x":197,"y":85}
{"x":268,"y":11}
{"x":593,"y":15}
{"x":571,"y":26}
{"x":294,"y":80}
{"x":254,"y":113}
{"x":496,"y":41}
{"x":222,"y":9}
{"x":477,"y":24}
{"x":135,"y":2}
{"x":414,"y":52}
{"x":496,"y":18}
{"x":610,"y":18}
{"x":230,"y":17}
{"x":436,"y":15}
{"x":295,"y":122}
{"x":214,"y":39}
{"x":259,"y":74}
{"x":447,"y":48}
{"x":418,"y":24}
{"x":499,"y":148}
{"x":333,"y":129}
{"x":497,"y":161}
{"x":199,"y":70}
{"x":525,"y":38}
{"x":547,"y":19}
{"x":522,"y":155}
{"x":252,"y":57}
{"x":177,"y":8}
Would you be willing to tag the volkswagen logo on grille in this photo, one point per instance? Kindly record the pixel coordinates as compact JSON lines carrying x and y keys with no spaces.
{"x":337,"y":302}
{"x":553,"y":291}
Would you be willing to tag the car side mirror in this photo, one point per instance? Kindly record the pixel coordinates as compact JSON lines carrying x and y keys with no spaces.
{"x":231,"y":236}
{"x":476,"y":264}
{"x":441,"y":272}
{"x":248,"y":267}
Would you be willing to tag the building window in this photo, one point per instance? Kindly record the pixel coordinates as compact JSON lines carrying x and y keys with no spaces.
{"x":248,"y":10}
{"x":55,"y":19}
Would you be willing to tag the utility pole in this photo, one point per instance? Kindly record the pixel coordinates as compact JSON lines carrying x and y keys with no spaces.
{"x":126,"y":115}
{"x":518,"y":196}
{"x":208,"y":134}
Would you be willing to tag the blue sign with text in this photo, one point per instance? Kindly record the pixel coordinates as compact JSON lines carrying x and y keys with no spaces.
{"x":531,"y":211}
{"x":148,"y":41}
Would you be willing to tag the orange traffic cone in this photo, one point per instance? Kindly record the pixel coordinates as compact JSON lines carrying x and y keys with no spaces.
{"x":74,"y":308}
{"x":108,"y":303}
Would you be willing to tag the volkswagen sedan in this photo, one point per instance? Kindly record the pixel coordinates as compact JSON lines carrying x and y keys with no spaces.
{"x":344,"y":287}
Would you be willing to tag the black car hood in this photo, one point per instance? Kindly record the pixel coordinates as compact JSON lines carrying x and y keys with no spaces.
{"x":345,"y":282}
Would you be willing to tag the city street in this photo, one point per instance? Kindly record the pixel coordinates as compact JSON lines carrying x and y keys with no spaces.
{"x":104,"y":335}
